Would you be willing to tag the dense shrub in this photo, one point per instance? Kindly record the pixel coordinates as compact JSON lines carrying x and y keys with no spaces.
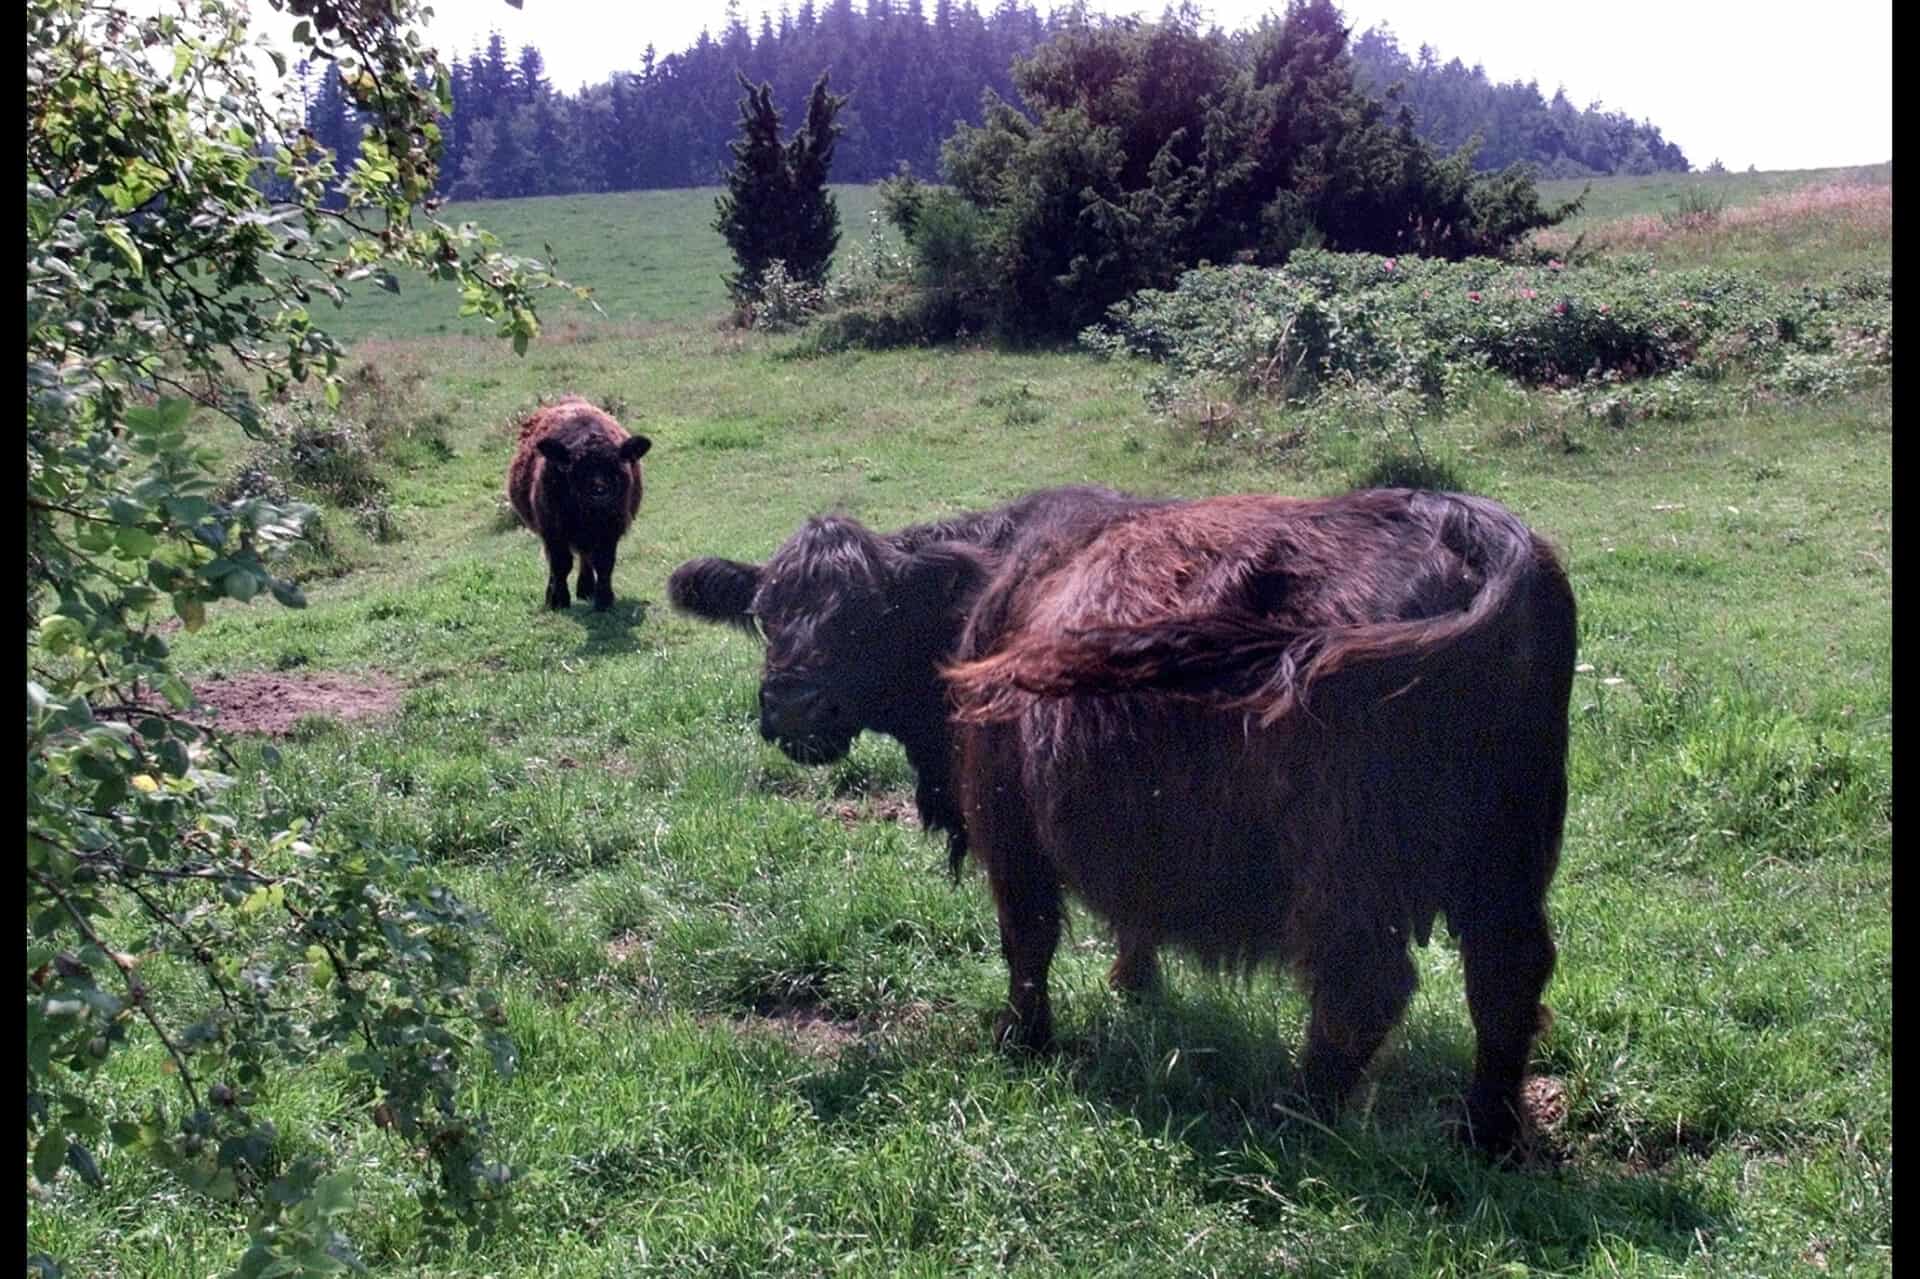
{"x":1421,"y":325}
{"x":1155,"y":147}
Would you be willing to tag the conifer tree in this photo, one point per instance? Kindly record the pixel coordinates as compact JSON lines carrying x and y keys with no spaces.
{"x":777,"y":206}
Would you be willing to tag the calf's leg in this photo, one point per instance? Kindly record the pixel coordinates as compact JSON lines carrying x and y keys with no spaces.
{"x":601,"y":589}
{"x":559,"y":560}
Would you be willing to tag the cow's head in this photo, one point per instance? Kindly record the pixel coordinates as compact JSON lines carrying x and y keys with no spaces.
{"x":853,"y":628}
{"x":598,"y":467}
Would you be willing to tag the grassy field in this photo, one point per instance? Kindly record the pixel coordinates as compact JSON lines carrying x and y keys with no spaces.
{"x":753,"y":1012}
{"x":650,"y":257}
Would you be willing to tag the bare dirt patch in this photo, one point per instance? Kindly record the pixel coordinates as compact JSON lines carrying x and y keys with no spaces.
{"x":625,"y":947}
{"x":1544,"y":1098}
{"x":815,"y":1032}
{"x":272,"y":703}
{"x":886,"y":806}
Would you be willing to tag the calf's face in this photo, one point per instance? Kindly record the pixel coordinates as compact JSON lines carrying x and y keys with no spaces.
{"x":852,"y":628}
{"x":598,"y":476}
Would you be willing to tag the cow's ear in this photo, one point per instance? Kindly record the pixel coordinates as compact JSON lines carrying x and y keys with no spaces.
{"x":555,"y":452}
{"x":634,"y":447}
{"x":716,"y":590}
{"x":944,"y":575}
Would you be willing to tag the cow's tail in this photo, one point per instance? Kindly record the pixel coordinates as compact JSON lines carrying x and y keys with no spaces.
{"x":1250,"y":662}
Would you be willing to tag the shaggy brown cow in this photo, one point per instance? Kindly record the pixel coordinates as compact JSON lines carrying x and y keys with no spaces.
{"x":1273,"y":729}
{"x":1260,"y":728}
{"x":856,"y":625}
{"x":575,"y":480}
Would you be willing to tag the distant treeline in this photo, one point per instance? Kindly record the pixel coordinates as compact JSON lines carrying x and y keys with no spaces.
{"x":1451,"y":102}
{"x":912,"y":74}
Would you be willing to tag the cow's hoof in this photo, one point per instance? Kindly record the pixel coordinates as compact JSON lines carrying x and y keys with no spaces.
{"x":1011,"y":1034}
{"x":559,"y":603}
{"x":1491,"y":1128}
{"x":601,"y":603}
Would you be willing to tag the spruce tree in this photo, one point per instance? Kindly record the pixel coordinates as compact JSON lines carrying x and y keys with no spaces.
{"x":777,"y":206}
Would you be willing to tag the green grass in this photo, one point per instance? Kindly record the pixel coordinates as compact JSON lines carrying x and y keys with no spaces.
{"x":753,"y":1013}
{"x":649,"y":257}
{"x":1796,"y":227}
{"x":1621,"y":197}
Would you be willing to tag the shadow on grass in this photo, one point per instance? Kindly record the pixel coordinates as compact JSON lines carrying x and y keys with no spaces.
{"x":610,"y":632}
{"x":1191,"y":1066}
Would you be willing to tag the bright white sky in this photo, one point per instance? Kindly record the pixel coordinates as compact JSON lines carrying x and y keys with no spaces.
{"x":1779,"y":87}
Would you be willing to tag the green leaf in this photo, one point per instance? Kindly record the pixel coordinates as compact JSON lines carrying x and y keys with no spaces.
{"x":117,"y":236}
{"x":135,"y":543}
{"x":60,"y":633}
{"x":173,"y":758}
{"x":333,"y":1194}
{"x":48,"y":1154}
{"x":193,"y":613}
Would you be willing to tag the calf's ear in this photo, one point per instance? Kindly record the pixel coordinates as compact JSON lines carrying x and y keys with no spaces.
{"x":715,"y":590}
{"x":634,"y":447}
{"x":555,"y":452}
{"x":942,"y":576}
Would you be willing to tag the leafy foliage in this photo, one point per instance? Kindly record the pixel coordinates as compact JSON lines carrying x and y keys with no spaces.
{"x":180,"y":224}
{"x":1424,"y":326}
{"x":777,"y":207}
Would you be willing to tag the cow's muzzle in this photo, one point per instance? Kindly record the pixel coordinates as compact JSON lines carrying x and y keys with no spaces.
{"x":805,"y":721}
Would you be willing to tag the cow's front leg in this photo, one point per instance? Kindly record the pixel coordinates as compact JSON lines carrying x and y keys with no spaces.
{"x":597,"y":582}
{"x":586,"y":586}
{"x":1362,"y":983}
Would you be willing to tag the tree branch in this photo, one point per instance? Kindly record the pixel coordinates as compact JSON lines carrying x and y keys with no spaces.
{"x":136,"y":993}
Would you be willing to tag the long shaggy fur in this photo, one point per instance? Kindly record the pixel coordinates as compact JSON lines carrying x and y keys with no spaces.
{"x":1262,"y":728}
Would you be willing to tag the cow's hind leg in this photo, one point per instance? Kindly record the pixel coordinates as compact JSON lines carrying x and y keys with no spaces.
{"x":1027,"y":897}
{"x":1507,"y":961}
{"x":1136,"y":969}
{"x":559,"y":560}
{"x":585,"y":586}
{"x":1362,"y":981}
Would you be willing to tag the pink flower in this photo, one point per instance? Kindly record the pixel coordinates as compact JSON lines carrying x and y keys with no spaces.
{"x":1554,"y":264}
{"x":1559,"y":308}
{"x":1387,"y":265}
{"x":1472,"y":295}
{"x":1686,"y":306}
{"x":1425,"y":294}
{"x":1529,"y":294}
{"x":1604,"y":308}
